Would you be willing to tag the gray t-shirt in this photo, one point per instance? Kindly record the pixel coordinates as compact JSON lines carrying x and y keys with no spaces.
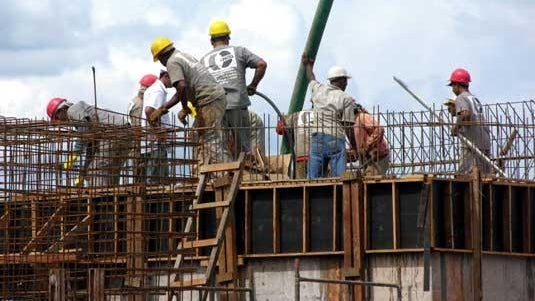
{"x":477,"y":132}
{"x":331,"y":106}
{"x":227,"y":64}
{"x":182,"y":66}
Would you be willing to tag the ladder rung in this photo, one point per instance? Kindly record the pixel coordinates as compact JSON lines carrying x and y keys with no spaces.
{"x":210,"y":205}
{"x":188,"y":283}
{"x":228,"y":166}
{"x":211,"y":242}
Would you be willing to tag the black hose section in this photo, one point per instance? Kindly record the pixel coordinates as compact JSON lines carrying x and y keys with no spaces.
{"x":285,"y":135}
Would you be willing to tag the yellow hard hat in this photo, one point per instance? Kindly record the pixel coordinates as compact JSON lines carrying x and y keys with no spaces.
{"x":158,"y":45}
{"x":219,"y":28}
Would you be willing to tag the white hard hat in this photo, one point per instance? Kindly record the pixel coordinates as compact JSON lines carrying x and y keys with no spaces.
{"x":337,"y":71}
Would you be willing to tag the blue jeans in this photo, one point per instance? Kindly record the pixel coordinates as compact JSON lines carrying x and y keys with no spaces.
{"x":326,"y":148}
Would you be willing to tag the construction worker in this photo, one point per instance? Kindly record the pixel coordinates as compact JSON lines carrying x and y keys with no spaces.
{"x":470,"y":122}
{"x":299,"y":125}
{"x":227,"y":64}
{"x":333,"y":110}
{"x":104,"y":157}
{"x":193,"y":82}
{"x":154,"y":151}
{"x":135,"y":109}
{"x":371,"y":145}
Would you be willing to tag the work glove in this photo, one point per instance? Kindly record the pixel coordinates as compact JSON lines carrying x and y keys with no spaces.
{"x":70,"y":161}
{"x":280,"y":127}
{"x":155,"y":116}
{"x":193,"y":110}
{"x":79,"y":181}
{"x":182,"y":116}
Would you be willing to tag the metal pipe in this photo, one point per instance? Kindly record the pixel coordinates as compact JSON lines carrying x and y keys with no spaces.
{"x":353,"y":282}
{"x":311,"y":49}
{"x":463,"y":139}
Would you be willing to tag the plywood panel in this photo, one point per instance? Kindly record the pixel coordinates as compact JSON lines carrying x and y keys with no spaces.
{"x":321,"y":218}
{"x":380,"y":223}
{"x":409,"y":199}
{"x":291,"y":220}
{"x":262,"y":221}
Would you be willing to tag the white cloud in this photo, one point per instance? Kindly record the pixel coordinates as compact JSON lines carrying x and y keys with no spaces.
{"x":419,"y":40}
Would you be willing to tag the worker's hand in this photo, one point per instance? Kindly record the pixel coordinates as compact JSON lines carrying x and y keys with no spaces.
{"x":70,"y":161}
{"x":280,"y":127}
{"x":306,"y":60}
{"x":155,"y":116}
{"x":455,"y":130}
{"x":79,"y":181}
{"x":182,"y":116}
{"x":251,"y":89}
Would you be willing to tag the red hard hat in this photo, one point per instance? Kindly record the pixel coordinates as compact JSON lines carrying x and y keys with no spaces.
{"x":460,"y":76}
{"x":147,"y":80}
{"x":53,"y":105}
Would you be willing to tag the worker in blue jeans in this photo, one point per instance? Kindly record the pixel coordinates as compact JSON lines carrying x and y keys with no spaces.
{"x":333,"y":110}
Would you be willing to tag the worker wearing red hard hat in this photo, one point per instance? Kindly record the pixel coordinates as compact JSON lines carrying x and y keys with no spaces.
{"x":136,"y":105}
{"x":470,"y":122}
{"x":103,"y":159}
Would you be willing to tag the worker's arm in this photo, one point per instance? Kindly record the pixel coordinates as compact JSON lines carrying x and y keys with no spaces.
{"x":180,"y":95}
{"x":309,"y":66}
{"x":260,"y":71}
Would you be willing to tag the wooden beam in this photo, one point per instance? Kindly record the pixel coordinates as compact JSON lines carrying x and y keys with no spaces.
{"x":70,"y":235}
{"x":95,"y":285}
{"x":476,"y":235}
{"x":305,"y":233}
{"x":57,"y":284}
{"x":276,"y":221}
{"x":395,"y":216}
{"x":44,"y":229}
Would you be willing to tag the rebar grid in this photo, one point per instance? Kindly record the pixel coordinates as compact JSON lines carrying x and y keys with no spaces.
{"x":125,"y":226}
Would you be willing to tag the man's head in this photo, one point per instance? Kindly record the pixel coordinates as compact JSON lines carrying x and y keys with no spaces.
{"x":450,"y":105}
{"x":219,"y":33}
{"x":338,"y":77}
{"x":165,"y":79}
{"x":359,"y":109}
{"x":57,"y":109}
{"x":161,"y":49}
{"x":459,"y":81}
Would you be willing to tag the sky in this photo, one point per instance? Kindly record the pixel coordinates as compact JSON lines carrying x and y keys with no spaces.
{"x":47,"y":47}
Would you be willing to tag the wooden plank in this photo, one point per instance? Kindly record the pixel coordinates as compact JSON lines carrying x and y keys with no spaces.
{"x":35,"y":218}
{"x":46,"y":226}
{"x":305,"y":220}
{"x":70,"y":234}
{"x":4,"y":219}
{"x":366,"y":218}
{"x":188,"y":283}
{"x":476,"y":235}
{"x":210,"y":205}
{"x":41,"y":258}
{"x":95,"y":291}
{"x":57,"y":284}
{"x":467,"y":219}
{"x":203,"y":243}
{"x":218,"y":167}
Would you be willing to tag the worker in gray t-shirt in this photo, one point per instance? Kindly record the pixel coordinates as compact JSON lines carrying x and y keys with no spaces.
{"x":227,"y":64}
{"x":470,"y":123}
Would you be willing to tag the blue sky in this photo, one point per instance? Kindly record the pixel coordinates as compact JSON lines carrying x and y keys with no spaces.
{"x":48,"y":47}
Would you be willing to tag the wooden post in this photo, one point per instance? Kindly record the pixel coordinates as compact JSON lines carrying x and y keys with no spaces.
{"x":476,"y":234}
{"x":353,"y":232}
{"x":228,"y":256}
{"x":95,"y":285}
{"x":134,"y":243}
{"x":57,"y":285}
